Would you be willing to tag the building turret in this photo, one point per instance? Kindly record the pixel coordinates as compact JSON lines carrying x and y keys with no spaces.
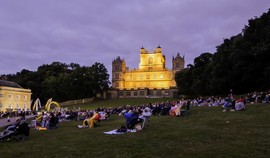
{"x":118,"y":70}
{"x":158,"y":49}
{"x":143,"y":50}
{"x":178,"y":63}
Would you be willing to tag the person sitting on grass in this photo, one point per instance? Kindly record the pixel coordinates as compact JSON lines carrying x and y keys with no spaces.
{"x":19,"y":127}
{"x":133,"y":120}
{"x":94,"y":119}
{"x":240,"y":104}
{"x":229,"y":105}
{"x":13,"y":126}
{"x":129,"y":116}
{"x":22,"y":131}
{"x":147,"y":113}
{"x":90,"y":122}
{"x":53,"y":122}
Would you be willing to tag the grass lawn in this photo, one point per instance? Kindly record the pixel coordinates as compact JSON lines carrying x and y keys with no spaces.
{"x":119,"y":102}
{"x":206,"y":132}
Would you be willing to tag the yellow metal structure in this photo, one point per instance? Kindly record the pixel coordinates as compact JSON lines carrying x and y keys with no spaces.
{"x":36,"y":105}
{"x":48,"y":107}
{"x":47,"y":103}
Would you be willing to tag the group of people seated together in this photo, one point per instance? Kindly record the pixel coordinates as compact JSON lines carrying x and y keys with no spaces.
{"x":19,"y":130}
{"x":234,"y":105}
{"x":45,"y":121}
{"x":135,"y":116}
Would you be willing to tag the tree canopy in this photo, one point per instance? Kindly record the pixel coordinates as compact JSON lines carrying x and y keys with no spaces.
{"x":241,"y":63}
{"x":62,"y":81}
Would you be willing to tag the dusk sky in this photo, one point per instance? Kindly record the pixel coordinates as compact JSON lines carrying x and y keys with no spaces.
{"x":37,"y":32}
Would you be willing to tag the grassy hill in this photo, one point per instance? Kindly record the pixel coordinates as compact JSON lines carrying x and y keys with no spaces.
{"x":206,"y":132}
{"x":118,"y":102}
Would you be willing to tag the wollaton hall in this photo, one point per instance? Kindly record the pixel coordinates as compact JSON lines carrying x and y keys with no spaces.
{"x":151,"y":79}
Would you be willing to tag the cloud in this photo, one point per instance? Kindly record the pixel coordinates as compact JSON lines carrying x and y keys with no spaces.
{"x":33,"y":33}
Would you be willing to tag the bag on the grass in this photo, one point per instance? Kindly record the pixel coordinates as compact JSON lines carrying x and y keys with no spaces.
{"x":122,"y":129}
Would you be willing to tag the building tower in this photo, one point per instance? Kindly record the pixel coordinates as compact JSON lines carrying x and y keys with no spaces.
{"x":118,"y":70}
{"x":178,"y":63}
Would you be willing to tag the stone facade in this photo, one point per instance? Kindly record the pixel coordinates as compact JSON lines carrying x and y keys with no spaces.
{"x":151,"y":79}
{"x":14,"y":97}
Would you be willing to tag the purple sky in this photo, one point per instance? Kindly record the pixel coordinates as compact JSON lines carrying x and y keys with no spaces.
{"x":34,"y":32}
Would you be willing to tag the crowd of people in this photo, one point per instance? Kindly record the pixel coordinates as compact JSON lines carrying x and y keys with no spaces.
{"x":255,"y":97}
{"x":134,"y":115}
{"x":18,"y":113}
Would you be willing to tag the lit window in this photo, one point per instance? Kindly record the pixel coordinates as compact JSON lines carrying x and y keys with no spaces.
{"x":25,"y":97}
{"x":161,"y":76}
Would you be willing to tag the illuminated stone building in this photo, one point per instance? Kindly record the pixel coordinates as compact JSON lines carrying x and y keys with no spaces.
{"x":151,"y":79}
{"x":13,"y":96}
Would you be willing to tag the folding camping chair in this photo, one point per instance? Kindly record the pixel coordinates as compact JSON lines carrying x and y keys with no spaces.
{"x":22,"y":132}
{"x":6,"y":135}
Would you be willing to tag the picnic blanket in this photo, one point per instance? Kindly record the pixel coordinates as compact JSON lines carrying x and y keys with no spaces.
{"x":116,"y":132}
{"x":5,"y":134}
